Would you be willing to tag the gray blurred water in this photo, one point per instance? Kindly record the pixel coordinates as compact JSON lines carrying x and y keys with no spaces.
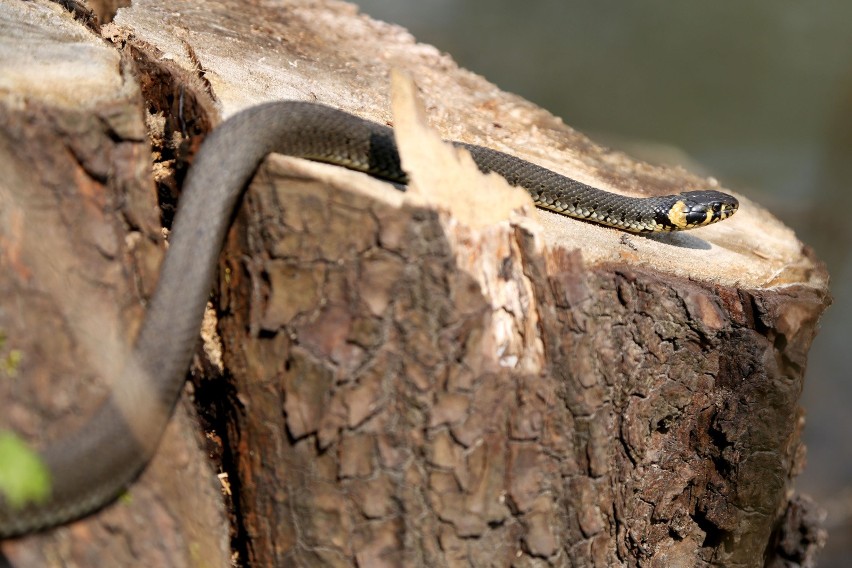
{"x":757,"y":94}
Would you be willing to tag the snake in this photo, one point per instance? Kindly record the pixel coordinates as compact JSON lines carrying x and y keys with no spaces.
{"x":95,"y":464}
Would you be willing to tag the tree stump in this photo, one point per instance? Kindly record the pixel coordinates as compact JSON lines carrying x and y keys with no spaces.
{"x":444,"y":376}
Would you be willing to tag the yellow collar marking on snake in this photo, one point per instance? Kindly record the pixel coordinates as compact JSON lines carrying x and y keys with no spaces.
{"x":677,"y":215}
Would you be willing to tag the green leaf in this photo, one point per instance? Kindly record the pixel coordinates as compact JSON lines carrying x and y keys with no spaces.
{"x":23,"y":476}
{"x":13,"y":362}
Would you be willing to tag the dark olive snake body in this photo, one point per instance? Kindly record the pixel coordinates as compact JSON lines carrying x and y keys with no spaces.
{"x":93,"y":466}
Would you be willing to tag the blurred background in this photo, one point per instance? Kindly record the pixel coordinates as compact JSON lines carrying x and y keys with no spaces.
{"x":757,"y":94}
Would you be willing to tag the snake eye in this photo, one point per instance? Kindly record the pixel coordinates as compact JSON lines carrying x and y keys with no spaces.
{"x":725,"y":210}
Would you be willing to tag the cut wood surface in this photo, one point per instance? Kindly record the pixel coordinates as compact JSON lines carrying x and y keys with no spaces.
{"x":445,"y":376}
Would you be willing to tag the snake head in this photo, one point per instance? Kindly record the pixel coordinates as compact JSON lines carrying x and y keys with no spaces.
{"x":699,"y":208}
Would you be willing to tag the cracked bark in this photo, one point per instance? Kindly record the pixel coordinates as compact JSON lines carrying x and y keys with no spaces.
{"x":408,"y":386}
{"x":661,"y":430}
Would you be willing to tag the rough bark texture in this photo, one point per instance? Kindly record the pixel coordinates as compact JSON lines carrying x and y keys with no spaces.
{"x":662,"y":429}
{"x":413,"y":382}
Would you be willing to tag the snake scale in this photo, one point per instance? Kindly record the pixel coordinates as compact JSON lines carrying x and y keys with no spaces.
{"x":93,"y":466}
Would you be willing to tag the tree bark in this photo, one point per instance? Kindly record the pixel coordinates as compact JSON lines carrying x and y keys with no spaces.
{"x":438,"y":377}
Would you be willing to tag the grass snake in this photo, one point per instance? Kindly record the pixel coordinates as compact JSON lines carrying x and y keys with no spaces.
{"x":93,"y":466}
